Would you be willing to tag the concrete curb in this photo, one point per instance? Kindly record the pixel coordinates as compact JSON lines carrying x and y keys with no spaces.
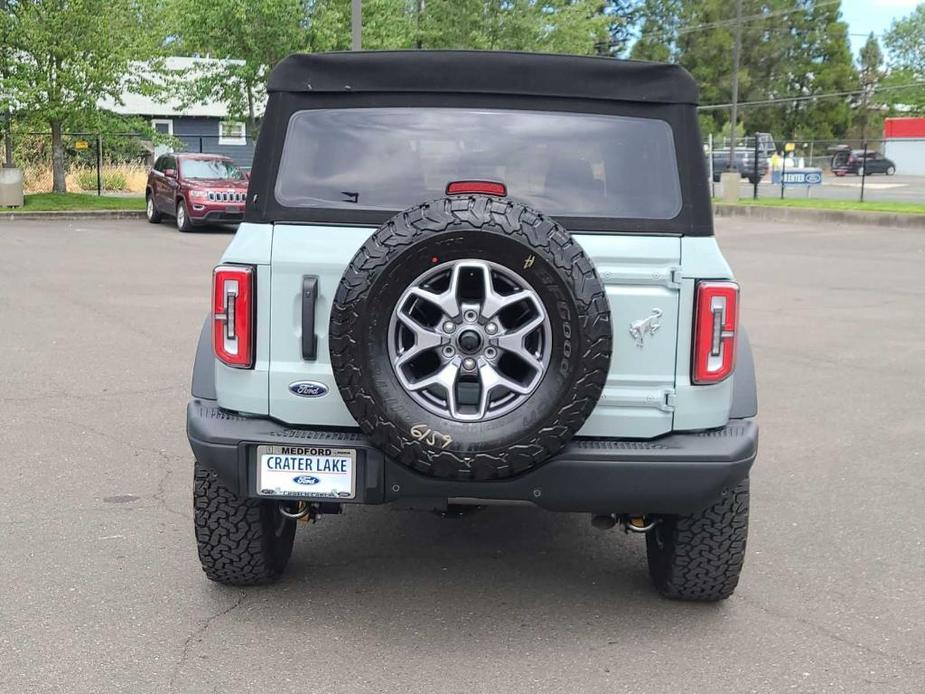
{"x":810,"y":216}
{"x":14,"y":216}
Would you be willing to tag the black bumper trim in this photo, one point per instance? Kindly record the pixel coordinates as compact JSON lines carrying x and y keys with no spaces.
{"x":676,"y":473}
{"x":218,"y":217}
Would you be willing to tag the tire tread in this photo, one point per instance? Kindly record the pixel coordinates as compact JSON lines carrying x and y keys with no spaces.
{"x":234,"y":535}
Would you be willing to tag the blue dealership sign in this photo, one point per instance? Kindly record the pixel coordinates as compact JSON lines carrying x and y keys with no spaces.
{"x":802,"y":177}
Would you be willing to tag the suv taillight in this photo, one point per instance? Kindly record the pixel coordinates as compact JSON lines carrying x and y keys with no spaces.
{"x":233,"y":315}
{"x":716,"y":319}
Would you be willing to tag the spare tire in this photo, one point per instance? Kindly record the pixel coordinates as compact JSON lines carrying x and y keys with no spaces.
{"x":470,"y":338}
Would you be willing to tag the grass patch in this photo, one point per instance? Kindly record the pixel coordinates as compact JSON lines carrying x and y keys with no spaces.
{"x":851,"y":205}
{"x":69,"y":202}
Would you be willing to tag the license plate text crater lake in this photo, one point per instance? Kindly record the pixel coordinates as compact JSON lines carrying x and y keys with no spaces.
{"x":298,"y":463}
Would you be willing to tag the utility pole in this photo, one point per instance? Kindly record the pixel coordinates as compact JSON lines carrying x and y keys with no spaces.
{"x":356,"y":25}
{"x":735,"y":87}
{"x":8,"y":116}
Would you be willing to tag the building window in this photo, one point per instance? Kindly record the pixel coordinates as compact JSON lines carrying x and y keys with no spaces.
{"x":162,"y":126}
{"x":231,"y":132}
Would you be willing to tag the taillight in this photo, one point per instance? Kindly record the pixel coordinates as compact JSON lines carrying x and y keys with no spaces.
{"x":233,"y":315}
{"x":715,"y":322}
{"x":476,"y":188}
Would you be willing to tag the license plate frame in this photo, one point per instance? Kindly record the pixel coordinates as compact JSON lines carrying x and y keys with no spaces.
{"x":327,"y":473}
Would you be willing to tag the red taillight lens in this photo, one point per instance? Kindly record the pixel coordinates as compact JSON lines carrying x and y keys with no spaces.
{"x":716,"y":319}
{"x":233,"y":315}
{"x":476,"y":188}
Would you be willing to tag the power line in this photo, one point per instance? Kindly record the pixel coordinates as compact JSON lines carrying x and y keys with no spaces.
{"x":811,"y":97}
{"x":726,"y":22}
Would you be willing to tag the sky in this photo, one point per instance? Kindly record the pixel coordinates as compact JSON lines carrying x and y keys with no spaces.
{"x":865,"y":16}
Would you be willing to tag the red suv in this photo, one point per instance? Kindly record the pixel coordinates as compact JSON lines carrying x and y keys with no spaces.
{"x":195,"y":189}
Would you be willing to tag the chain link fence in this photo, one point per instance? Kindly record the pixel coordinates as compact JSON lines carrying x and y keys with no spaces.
{"x":874,"y":170}
{"x":112,"y":163}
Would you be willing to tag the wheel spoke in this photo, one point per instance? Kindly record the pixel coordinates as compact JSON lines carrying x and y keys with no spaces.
{"x":513,"y":341}
{"x":445,"y":378}
{"x":491,"y":379}
{"x":424,"y":339}
{"x":495,"y":302}
{"x":446,"y":301}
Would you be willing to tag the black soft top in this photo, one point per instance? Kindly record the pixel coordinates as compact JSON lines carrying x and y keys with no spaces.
{"x":484,"y":72}
{"x":489,"y":80}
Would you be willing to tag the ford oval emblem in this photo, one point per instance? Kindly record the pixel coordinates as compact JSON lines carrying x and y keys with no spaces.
{"x":305,"y":479}
{"x":308,"y":389}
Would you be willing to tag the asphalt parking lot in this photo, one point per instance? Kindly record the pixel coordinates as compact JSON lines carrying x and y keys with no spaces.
{"x":100,"y":588}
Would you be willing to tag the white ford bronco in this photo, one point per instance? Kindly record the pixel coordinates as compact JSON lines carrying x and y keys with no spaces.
{"x":472,"y":278}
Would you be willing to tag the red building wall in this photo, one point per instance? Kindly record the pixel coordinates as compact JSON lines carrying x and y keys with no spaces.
{"x":903,"y":127}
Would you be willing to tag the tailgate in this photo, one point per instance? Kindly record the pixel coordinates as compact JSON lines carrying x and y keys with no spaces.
{"x":639,"y":272}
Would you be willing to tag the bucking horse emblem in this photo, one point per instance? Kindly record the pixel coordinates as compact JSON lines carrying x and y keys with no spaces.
{"x":646,"y":326}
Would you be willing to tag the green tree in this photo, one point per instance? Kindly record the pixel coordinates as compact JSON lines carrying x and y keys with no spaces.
{"x":557,"y":26}
{"x":815,"y":58}
{"x":659,"y":22}
{"x":68,"y":55}
{"x":621,"y":16}
{"x":788,"y":49}
{"x":247,"y":37}
{"x":905,"y":42}
{"x":870,"y":74}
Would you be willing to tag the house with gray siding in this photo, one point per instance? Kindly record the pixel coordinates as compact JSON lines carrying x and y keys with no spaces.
{"x":197,"y":127}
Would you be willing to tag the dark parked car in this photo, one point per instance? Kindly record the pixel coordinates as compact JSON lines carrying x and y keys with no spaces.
{"x":744,"y":164}
{"x":195,"y":189}
{"x":847,"y":161}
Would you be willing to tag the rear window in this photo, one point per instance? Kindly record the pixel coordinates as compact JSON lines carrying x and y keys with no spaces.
{"x":565,"y":164}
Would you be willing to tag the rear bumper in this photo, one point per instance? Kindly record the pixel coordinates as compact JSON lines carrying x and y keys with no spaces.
{"x":677,"y":473}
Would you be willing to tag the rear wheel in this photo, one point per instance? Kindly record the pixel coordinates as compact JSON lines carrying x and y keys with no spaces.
{"x":699,"y":557}
{"x":184,"y":223}
{"x":241,"y":542}
{"x":151,"y":211}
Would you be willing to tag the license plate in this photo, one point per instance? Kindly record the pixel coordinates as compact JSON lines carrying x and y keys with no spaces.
{"x":233,"y":209}
{"x":306,"y":471}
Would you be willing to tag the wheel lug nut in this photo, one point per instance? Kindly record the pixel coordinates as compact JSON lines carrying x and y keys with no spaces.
{"x":491,"y":328}
{"x":449,"y":326}
{"x":448,"y":351}
{"x":468,"y":363}
{"x":490,"y":353}
{"x":471,"y":316}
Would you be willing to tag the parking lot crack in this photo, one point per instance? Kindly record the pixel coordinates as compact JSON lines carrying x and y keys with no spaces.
{"x":831,"y":634}
{"x":160,"y":491}
{"x":197,"y":636}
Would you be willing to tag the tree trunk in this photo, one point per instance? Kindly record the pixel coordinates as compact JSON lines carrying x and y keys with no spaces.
{"x":251,"y":126}
{"x":59,"y":185}
{"x":8,"y":141}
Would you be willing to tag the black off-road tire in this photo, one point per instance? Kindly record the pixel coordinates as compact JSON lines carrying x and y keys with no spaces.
{"x":152,"y":214}
{"x":242,"y":542}
{"x":546,"y":258}
{"x":700,"y":557}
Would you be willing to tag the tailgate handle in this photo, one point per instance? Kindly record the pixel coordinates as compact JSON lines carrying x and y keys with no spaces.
{"x":309,"y":295}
